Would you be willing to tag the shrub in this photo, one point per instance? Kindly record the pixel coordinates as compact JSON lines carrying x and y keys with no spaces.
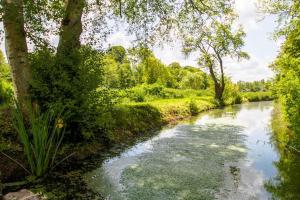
{"x":143,"y":93}
{"x":193,"y":107}
{"x":155,"y":90}
{"x":231,"y":94}
{"x":74,"y":85}
{"x":136,"y":94}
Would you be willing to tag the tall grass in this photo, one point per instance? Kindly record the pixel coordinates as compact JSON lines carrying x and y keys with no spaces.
{"x":41,"y":137}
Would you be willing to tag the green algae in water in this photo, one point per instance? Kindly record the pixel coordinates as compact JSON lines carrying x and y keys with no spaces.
{"x":225,"y":154}
{"x":187,"y":165}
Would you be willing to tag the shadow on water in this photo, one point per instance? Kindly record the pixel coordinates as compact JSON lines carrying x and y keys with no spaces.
{"x":223,"y":154}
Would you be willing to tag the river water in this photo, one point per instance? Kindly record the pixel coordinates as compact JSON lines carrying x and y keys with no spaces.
{"x":222,"y":154}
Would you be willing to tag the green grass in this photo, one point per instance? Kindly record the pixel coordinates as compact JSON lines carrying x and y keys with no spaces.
{"x":176,"y":109}
{"x":138,"y":118}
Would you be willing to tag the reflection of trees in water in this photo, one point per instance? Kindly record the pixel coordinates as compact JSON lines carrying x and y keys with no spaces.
{"x":232,"y":111}
{"x":257,"y":105}
{"x":229,"y":111}
{"x":286,"y":185}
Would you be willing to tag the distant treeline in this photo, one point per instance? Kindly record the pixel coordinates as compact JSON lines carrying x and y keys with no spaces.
{"x":118,"y":68}
{"x":128,"y":68}
{"x":255,"y":86}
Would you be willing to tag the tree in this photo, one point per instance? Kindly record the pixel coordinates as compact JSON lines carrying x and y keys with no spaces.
{"x":154,"y":20}
{"x":286,"y":12}
{"x":16,"y":48}
{"x":117,"y":68}
{"x":118,"y":53}
{"x":196,"y":80}
{"x":286,"y":65}
{"x":216,"y":41}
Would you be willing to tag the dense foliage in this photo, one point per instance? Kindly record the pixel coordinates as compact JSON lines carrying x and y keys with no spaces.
{"x":77,"y":90}
{"x":287,"y":82}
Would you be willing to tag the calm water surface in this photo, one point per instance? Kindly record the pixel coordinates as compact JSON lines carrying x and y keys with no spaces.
{"x":223,"y":154}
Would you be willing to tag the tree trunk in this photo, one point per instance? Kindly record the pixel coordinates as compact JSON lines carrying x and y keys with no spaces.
{"x":71,"y":28}
{"x":68,"y":57}
{"x":16,"y":49}
{"x":219,"y":87}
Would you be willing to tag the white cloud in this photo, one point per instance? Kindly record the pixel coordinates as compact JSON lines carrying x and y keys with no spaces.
{"x":120,"y":38}
{"x":249,"y":70}
{"x":247,"y":12}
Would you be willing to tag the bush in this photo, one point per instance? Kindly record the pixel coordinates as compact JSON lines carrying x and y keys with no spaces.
{"x":231,"y":94}
{"x":74,"y":85}
{"x":143,"y":93}
{"x":193,"y":108}
{"x":136,"y":94}
{"x":155,"y":90}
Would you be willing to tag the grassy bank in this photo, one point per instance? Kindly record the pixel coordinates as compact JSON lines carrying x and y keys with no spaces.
{"x":138,"y":118}
{"x":134,"y":119}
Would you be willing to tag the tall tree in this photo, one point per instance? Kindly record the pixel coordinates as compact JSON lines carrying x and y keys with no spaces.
{"x":215,"y":41}
{"x":16,"y":48}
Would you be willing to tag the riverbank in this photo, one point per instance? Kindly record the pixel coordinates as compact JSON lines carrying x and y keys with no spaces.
{"x":132,"y":122}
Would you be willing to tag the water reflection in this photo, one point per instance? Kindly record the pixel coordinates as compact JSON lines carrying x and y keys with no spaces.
{"x":286,"y":184}
{"x":225,"y":154}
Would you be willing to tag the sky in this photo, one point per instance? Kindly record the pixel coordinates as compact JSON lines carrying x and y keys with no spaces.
{"x":258,"y":44}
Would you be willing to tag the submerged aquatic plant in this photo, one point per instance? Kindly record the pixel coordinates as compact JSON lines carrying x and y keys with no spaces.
{"x":41,"y":139}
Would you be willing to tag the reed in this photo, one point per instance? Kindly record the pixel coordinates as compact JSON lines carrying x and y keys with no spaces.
{"x":41,"y":137}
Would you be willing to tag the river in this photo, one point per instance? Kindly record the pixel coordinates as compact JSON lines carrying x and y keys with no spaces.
{"x":222,"y":154}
